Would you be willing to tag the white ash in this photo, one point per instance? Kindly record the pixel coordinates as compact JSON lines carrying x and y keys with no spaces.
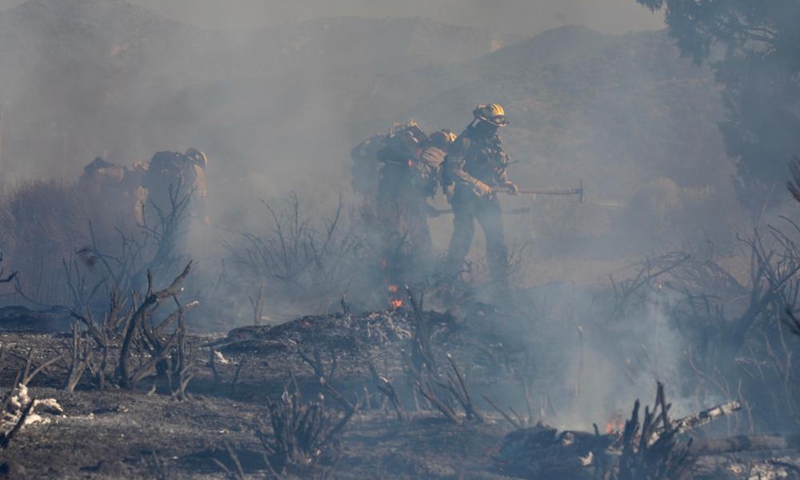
{"x":20,"y":398}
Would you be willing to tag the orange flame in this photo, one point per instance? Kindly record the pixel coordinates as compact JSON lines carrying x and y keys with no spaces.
{"x":616,"y":425}
{"x":393,"y":288}
{"x":396,"y":303}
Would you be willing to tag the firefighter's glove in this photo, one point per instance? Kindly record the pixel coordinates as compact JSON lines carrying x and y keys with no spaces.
{"x":481,"y":189}
{"x":511,"y":188}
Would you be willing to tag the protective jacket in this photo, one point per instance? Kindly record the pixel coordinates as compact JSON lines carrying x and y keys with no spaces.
{"x":171,"y":177}
{"x":425,"y":175}
{"x":474,"y":159}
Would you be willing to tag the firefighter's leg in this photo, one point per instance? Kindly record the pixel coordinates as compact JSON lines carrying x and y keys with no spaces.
{"x":490,"y":216}
{"x":463,"y":231}
{"x":419,"y":234}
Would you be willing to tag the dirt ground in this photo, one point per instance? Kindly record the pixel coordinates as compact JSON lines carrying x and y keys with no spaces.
{"x":149,"y":434}
{"x":239,"y":377}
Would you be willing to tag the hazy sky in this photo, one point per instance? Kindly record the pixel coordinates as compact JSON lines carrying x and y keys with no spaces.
{"x":517,"y":16}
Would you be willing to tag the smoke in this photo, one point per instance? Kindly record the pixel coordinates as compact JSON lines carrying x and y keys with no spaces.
{"x":590,"y":366}
{"x":277,"y":93}
{"x":522,"y":17}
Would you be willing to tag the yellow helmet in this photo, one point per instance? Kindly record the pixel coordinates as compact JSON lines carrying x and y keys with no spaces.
{"x":398,"y":127}
{"x":492,"y":113}
{"x":197,"y":157}
{"x":443,"y":137}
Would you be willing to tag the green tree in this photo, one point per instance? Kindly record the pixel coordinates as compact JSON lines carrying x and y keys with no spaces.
{"x":753,"y":47}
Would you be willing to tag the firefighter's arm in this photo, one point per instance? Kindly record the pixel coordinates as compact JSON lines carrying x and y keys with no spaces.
{"x":455,"y":170}
{"x":432,"y":158}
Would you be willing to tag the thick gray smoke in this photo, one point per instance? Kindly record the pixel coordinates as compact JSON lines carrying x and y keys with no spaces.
{"x":277,"y":93}
{"x":523,"y":17}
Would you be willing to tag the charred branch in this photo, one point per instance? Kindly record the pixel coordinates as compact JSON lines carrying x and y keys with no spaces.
{"x":5,"y":438}
{"x":385,"y":387}
{"x":302,"y":432}
{"x":422,"y":357}
{"x":649,"y":448}
{"x":125,"y":376}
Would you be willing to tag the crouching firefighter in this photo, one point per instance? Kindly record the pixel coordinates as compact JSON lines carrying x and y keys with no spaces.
{"x":175,"y":194}
{"x":398,"y":202}
{"x":474,"y":171}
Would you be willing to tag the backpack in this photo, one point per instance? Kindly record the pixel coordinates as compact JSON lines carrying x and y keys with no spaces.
{"x":168,"y":168}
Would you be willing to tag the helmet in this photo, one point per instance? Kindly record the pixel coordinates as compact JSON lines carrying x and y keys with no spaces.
{"x":97,"y":164}
{"x":197,"y":157}
{"x":398,"y":127}
{"x":492,"y":113}
{"x":443,"y":137}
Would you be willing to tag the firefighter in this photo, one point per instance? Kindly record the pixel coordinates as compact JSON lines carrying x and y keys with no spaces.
{"x":409,"y":175}
{"x":423,"y":184}
{"x":426,"y":171}
{"x":101,"y":176}
{"x":475,"y":171}
{"x":112,"y":189}
{"x":175,"y":192}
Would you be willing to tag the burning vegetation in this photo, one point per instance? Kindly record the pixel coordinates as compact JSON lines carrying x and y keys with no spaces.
{"x":319,"y":395}
{"x":304,"y":337}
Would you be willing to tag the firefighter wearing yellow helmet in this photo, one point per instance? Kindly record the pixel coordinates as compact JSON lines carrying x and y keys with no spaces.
{"x":175,"y":185}
{"x":474,"y":171}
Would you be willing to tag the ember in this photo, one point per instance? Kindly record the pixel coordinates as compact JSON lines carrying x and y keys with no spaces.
{"x":615,"y":425}
{"x":394,"y":301}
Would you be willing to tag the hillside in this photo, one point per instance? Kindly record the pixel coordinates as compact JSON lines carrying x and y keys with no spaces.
{"x":628,"y":116}
{"x":383,"y":45}
{"x":278,"y":109}
{"x":84,"y":76}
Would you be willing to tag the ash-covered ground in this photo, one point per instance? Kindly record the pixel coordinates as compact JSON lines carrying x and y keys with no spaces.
{"x":404,"y":393}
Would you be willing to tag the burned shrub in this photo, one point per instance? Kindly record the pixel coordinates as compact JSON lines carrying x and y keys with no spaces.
{"x":730,"y":329}
{"x":298,"y":260}
{"x":128,"y":334}
{"x":303,"y":434}
{"x":650,"y":448}
{"x":129,"y":345}
{"x":442,"y":390}
{"x":42,"y":222}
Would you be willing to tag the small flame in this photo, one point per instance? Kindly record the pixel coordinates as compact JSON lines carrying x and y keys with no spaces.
{"x":616,"y":425}
{"x":410,"y":163}
{"x":393,"y":300}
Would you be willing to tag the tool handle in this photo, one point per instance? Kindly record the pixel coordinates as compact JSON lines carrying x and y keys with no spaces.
{"x":545,"y":192}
